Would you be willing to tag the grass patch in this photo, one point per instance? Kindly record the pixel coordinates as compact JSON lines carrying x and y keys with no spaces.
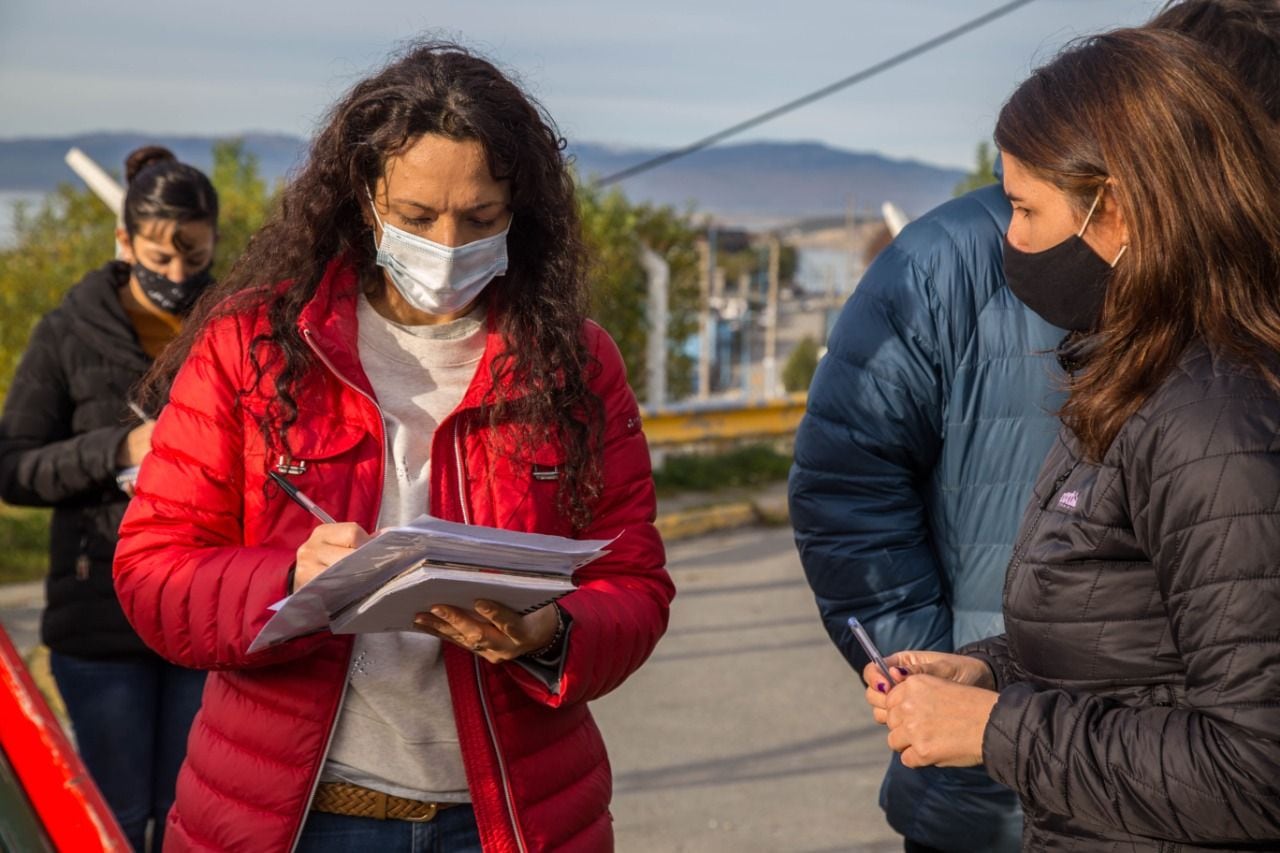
{"x":24,"y":543}
{"x":750,"y":465}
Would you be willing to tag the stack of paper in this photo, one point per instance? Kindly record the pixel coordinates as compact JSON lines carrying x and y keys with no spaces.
{"x":403,"y":571}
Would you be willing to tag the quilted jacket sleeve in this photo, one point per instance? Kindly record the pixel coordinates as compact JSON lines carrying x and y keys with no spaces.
{"x":869,"y":438}
{"x":41,"y":462}
{"x":621,"y":606}
{"x":190,"y":587}
{"x":1203,"y":483}
{"x":994,"y":652}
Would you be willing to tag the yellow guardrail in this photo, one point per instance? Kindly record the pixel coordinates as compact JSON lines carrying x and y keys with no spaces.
{"x":694,"y":423}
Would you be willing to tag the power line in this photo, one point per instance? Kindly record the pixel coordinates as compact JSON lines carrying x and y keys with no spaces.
{"x":707,"y":141}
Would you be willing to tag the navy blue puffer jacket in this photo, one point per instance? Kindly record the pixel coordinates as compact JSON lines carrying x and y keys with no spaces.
{"x":927,"y":421}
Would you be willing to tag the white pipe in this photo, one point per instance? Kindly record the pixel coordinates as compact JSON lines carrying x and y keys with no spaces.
{"x":103,"y":185}
{"x":894,"y":218}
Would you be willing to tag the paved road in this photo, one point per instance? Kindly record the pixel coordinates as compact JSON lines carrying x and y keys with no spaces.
{"x":20,"y":606}
{"x":746,"y":731}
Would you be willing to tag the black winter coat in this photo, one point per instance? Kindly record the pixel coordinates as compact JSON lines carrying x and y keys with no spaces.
{"x":64,"y":419}
{"x":1139,"y":672}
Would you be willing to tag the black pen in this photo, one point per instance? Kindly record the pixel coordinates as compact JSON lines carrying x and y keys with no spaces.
{"x":300,"y":499}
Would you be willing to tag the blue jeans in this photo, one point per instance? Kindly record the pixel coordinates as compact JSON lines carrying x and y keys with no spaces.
{"x":131,"y":719}
{"x":453,"y":830}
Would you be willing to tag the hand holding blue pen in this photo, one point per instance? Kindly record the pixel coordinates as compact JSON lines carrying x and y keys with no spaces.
{"x":301,"y":499}
{"x":864,"y":640}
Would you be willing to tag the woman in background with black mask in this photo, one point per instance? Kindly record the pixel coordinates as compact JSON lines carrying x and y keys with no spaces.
{"x":71,"y":439}
{"x":1132,"y":702}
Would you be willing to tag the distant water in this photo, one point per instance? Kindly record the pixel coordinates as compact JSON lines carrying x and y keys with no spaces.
{"x":8,"y":201}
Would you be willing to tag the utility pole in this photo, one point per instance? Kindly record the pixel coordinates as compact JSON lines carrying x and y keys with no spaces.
{"x":707,"y":259}
{"x":771,"y":320}
{"x":851,"y":236}
{"x":658,"y":271}
{"x":744,"y":335}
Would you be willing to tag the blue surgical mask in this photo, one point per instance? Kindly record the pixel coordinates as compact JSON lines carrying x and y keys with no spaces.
{"x":435,"y":278}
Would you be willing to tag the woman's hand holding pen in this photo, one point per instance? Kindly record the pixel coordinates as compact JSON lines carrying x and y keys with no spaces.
{"x":136,"y":445}
{"x":492,"y":631}
{"x":937,"y":710}
{"x":326,"y":545}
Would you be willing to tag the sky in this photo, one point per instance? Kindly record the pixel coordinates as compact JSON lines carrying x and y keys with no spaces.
{"x":654,"y":74}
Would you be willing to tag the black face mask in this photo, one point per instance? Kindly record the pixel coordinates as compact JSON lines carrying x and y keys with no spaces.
{"x":1065,"y":284}
{"x":176,"y":297}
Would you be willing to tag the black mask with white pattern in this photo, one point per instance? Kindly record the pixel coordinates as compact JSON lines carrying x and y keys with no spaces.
{"x":176,"y":297}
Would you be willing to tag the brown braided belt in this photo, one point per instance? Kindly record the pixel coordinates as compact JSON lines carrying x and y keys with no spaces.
{"x":356,"y":801}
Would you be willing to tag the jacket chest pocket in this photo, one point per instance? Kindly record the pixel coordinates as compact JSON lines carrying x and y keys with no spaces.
{"x":525,"y":488}
{"x":321,"y":462}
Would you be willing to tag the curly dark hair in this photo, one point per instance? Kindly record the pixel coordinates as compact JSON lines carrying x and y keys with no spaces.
{"x":540,"y":305}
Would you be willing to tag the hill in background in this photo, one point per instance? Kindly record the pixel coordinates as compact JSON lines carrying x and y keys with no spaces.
{"x":776,"y":179}
{"x":753,"y":181}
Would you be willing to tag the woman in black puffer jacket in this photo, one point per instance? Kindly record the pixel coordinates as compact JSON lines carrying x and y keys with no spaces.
{"x":1134,"y":700}
{"x":69,"y":439}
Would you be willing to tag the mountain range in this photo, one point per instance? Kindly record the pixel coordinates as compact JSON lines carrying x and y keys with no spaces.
{"x":752,"y":181}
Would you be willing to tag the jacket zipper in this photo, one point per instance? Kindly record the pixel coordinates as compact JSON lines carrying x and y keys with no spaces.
{"x":1057,"y":484}
{"x":484,"y":702}
{"x":342,"y":698}
{"x":1015,"y":561}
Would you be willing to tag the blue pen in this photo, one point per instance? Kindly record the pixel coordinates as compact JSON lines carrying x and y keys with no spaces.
{"x":300,"y":499}
{"x":869,"y":647}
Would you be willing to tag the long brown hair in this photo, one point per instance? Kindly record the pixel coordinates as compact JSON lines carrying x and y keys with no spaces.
{"x":1194,"y":167}
{"x":1244,"y":35}
{"x":541,"y":302}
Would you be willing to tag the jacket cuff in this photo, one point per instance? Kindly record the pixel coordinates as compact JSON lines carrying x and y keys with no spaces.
{"x":1001,"y":735}
{"x":548,"y":672}
{"x":99,"y":450}
{"x":993,"y":652}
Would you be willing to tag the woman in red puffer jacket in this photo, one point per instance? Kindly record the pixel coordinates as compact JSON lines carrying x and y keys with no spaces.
{"x":407,"y":334}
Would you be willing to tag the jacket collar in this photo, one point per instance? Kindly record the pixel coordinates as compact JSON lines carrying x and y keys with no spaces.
{"x":100,"y":320}
{"x":1075,"y":351}
{"x":329,"y":324}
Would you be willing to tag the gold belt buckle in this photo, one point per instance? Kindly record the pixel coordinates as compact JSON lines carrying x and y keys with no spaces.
{"x":428,"y":812}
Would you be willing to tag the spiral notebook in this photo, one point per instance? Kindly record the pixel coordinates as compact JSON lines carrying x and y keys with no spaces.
{"x":403,"y":571}
{"x":393,"y":606}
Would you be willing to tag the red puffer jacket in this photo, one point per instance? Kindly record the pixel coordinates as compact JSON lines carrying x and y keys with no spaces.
{"x":206,"y":546}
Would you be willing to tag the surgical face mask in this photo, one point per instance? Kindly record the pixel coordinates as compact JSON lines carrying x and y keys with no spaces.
{"x":1065,"y":284}
{"x":439,"y":279}
{"x":176,"y":297}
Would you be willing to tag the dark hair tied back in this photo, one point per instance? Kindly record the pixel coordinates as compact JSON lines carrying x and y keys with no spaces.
{"x":141,"y":158}
{"x":162,"y":187}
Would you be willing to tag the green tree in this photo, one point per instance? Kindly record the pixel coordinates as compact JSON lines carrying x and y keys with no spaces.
{"x":244,"y":200}
{"x":797,"y":373}
{"x":70,"y":232}
{"x":983,"y":172}
{"x":56,"y":242}
{"x":614,"y":229}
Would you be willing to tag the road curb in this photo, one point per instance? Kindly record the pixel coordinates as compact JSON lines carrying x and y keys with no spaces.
{"x":686,"y":524}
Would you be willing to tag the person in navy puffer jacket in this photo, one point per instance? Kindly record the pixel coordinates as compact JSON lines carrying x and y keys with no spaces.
{"x":927,"y":422}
